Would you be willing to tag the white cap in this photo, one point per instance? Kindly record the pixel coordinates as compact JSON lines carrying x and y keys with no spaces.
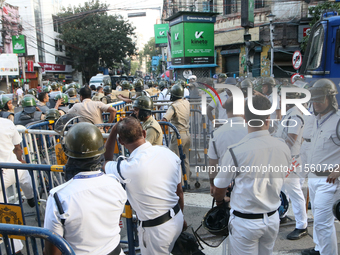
{"x":193,"y":77}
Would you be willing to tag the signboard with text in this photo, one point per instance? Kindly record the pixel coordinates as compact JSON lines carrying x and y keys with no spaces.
{"x":177,"y":44}
{"x":19,"y":45}
{"x":9,"y":64}
{"x":161,"y":38}
{"x":199,"y":43}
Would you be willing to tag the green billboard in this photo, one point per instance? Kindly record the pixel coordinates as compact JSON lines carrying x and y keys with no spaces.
{"x":19,"y":44}
{"x":177,"y":44}
{"x":198,"y":43}
{"x":161,"y":36}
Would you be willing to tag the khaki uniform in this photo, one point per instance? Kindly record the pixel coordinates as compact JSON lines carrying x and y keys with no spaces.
{"x":73,"y":100}
{"x":124,"y":93}
{"x":154,"y":133}
{"x":105,"y":98}
{"x":97,"y":97}
{"x":150,"y":91}
{"x":179,"y":115}
{"x":155,"y":91}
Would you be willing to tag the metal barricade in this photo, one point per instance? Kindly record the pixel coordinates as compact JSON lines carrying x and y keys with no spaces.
{"x":33,"y":233}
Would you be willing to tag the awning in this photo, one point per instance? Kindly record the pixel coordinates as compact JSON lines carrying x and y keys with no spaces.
{"x":36,"y":65}
{"x":193,"y":66}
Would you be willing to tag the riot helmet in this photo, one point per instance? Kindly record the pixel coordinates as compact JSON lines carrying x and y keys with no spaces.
{"x":83,"y":140}
{"x":52,"y":114}
{"x":125,"y":85}
{"x":177,"y":92}
{"x":324,"y":88}
{"x":32,"y":92}
{"x":162,"y":85}
{"x":3,"y":101}
{"x":107,"y":90}
{"x":28,"y":104}
{"x":61,"y":96}
{"x":72,"y":92}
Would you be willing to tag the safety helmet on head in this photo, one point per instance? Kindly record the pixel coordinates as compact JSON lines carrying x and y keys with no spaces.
{"x":125,"y":85}
{"x":83,"y":140}
{"x":182,"y":83}
{"x":72,"y":85}
{"x":177,"y":91}
{"x":64,"y":88}
{"x":143,"y":103}
{"x":54,"y":86}
{"x":324,"y":88}
{"x":47,"y":89}
{"x":63,"y":96}
{"x":139,"y":84}
{"x":246,"y":84}
{"x":32,"y":92}
{"x":107,"y":89}
{"x":222,"y":75}
{"x":270,"y":81}
{"x":52,"y":114}
{"x":28,"y":104}
{"x":131,"y":86}
{"x":3,"y":101}
{"x":230,"y":81}
{"x":162,"y":85}
{"x":72,"y":92}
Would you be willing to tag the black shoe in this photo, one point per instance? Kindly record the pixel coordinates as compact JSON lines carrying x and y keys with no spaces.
{"x":283,"y":220}
{"x":309,"y":206}
{"x":310,"y":252}
{"x":297,"y":234}
{"x":31,"y":202}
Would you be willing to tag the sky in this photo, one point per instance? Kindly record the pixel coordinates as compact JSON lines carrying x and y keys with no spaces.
{"x":144,"y":25}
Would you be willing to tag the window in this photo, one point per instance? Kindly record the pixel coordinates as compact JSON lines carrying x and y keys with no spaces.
{"x":230,"y":6}
{"x":58,"y":45}
{"x":337,"y":47}
{"x":259,"y":4}
{"x":56,"y":24}
{"x":316,"y":49}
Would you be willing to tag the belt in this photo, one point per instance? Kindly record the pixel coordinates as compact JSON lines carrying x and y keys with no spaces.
{"x":307,"y":140}
{"x":161,"y":219}
{"x":322,"y":173}
{"x":252,"y":216}
{"x":116,"y":250}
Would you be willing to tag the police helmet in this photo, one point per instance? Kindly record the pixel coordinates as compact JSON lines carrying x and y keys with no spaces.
{"x":54,"y":86}
{"x":64,"y":88}
{"x":83,"y":140}
{"x":72,"y":92}
{"x":155,"y":83}
{"x":162,"y":85}
{"x":324,"y":88}
{"x":47,"y":89}
{"x":139,"y":84}
{"x":182,"y":83}
{"x":28,"y":104}
{"x":125,"y":85}
{"x":216,"y":220}
{"x":270,"y":81}
{"x":72,"y":85}
{"x":230,"y":81}
{"x":107,"y":89}
{"x":222,"y":75}
{"x":247,"y":83}
{"x":131,"y":87}
{"x":143,"y":103}
{"x":62,"y":96}
{"x":177,"y":91}
{"x":3,"y":101}
{"x":32,"y":92}
{"x":52,"y":114}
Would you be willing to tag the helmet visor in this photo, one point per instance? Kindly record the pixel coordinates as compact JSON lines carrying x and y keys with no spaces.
{"x":318,"y":95}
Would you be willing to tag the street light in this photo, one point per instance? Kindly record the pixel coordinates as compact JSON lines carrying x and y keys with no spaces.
{"x":271,"y":19}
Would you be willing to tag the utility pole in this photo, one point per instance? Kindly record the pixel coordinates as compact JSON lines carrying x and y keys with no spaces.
{"x":3,"y":42}
{"x":271,"y":28}
{"x":246,"y":39}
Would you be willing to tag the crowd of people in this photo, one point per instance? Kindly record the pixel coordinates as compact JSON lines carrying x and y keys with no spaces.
{"x":97,"y":185}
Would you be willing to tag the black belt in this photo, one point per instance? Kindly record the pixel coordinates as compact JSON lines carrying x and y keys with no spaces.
{"x":252,"y":215}
{"x":116,"y":251}
{"x":161,"y":219}
{"x":307,"y":140}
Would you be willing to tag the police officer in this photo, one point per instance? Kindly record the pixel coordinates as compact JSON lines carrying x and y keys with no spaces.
{"x":72,"y":97}
{"x":254,"y":219}
{"x":125,"y":93}
{"x":179,"y":115}
{"x":7,"y":108}
{"x":99,"y":95}
{"x":323,"y":182}
{"x":292,"y":135}
{"x":184,"y":85}
{"x":228,"y":134}
{"x":87,"y":197}
{"x":108,"y":98}
{"x":139,"y":92}
{"x":142,"y":108}
{"x":63,"y":106}
{"x":155,"y":195}
{"x":29,"y":113}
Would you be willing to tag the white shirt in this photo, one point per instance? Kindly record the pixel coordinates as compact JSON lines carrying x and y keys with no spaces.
{"x":222,"y":113}
{"x":9,"y":137}
{"x":92,"y":209}
{"x":163,"y":95}
{"x":322,"y":148}
{"x":19,"y":92}
{"x":151,"y":174}
{"x":290,"y":119}
{"x":226,"y":135}
{"x":186,"y":93}
{"x":255,"y":191}
{"x":309,"y":123}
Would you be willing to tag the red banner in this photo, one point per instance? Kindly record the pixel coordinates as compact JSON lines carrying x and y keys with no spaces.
{"x":52,"y":67}
{"x":30,"y":66}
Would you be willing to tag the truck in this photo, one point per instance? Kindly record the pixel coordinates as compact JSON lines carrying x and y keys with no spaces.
{"x":322,"y":55}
